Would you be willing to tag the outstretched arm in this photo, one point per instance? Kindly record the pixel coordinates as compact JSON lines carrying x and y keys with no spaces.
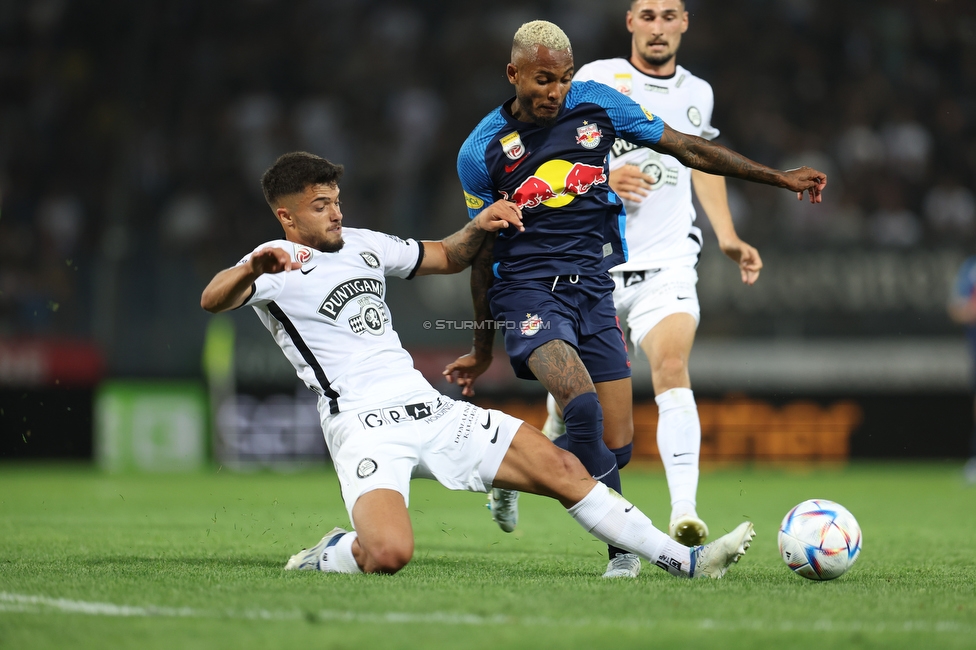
{"x":699,"y":153}
{"x":470,"y":366}
{"x":231,"y":287}
{"x":713,"y":196}
{"x":455,"y":253}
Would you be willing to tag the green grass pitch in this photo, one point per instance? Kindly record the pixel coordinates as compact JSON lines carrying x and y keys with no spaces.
{"x":95,"y":561}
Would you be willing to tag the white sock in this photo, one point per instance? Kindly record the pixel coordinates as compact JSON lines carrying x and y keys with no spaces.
{"x":679,"y":442}
{"x":339,"y":558}
{"x":554,"y":426}
{"x":613,"y":520}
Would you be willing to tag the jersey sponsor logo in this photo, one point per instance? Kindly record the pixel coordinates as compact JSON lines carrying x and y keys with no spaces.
{"x":633,"y":277}
{"x":371,"y":318}
{"x":531,"y":325}
{"x":620,"y":147}
{"x":303,"y":253}
{"x":648,"y":114}
{"x":652,"y":88}
{"x":367,"y":467}
{"x":395,"y":238}
{"x":624,"y":83}
{"x":556,"y":183}
{"x":348,"y":291}
{"x":694,"y":116}
{"x":588,"y":136}
{"x":430,"y":411}
{"x":512,"y":145}
{"x":472,"y":201}
{"x":372,"y":261}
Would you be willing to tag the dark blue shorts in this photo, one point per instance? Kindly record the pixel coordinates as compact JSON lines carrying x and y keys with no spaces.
{"x":581,"y":314}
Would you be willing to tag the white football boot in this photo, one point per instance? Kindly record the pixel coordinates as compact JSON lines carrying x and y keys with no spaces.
{"x":688,"y":530}
{"x":309,"y":559}
{"x":625,"y":565}
{"x":504,"y":508}
{"x":713,"y":559}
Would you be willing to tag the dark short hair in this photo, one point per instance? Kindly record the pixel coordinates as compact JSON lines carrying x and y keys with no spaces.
{"x":295,"y":171}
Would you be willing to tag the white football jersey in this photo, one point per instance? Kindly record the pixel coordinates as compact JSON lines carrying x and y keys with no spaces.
{"x":660,"y":230}
{"x":331,"y":320}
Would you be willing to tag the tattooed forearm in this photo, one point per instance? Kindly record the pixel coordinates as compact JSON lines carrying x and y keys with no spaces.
{"x":461,"y":247}
{"x":481,"y":280}
{"x":699,"y":153}
{"x":557,"y":367}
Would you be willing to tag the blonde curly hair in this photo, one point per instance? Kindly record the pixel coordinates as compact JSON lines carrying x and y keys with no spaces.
{"x":540,"y":32}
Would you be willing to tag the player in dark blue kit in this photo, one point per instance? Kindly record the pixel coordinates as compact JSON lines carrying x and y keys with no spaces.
{"x":546,"y":151}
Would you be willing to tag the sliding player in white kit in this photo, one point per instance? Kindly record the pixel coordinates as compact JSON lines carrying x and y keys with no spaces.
{"x":655,"y":294}
{"x":321,"y":292}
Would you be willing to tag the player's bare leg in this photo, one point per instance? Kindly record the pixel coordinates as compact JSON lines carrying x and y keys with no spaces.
{"x":533,"y":464}
{"x":668,"y":347}
{"x":381,"y":543}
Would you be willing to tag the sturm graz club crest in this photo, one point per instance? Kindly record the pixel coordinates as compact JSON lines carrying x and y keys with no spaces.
{"x":367,"y":467}
{"x":654,"y":167}
{"x":371,"y":318}
{"x":371,"y":260}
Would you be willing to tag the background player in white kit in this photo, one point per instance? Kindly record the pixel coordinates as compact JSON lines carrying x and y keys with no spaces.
{"x":655,"y":293}
{"x":383,"y":423}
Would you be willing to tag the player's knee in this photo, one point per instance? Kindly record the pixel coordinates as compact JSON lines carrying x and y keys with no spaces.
{"x":584,"y":417}
{"x":670,"y":369}
{"x":390,"y":555}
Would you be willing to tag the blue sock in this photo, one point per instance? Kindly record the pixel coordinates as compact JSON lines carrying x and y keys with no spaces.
{"x":623,"y":455}
{"x":584,"y":430}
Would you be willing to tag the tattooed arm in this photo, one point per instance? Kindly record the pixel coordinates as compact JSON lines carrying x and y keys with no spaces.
{"x":454,"y":253}
{"x":699,"y":153}
{"x":470,"y":366}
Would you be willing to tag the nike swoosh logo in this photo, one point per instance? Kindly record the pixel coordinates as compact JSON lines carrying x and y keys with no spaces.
{"x":628,"y":509}
{"x":487,"y":425}
{"x":684,"y":297}
{"x":687,"y":453}
{"x":308,"y":270}
{"x":510,"y":168}
{"x":495,"y":439}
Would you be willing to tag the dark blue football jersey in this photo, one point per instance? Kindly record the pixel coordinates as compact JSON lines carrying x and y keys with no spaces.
{"x":574,"y":223}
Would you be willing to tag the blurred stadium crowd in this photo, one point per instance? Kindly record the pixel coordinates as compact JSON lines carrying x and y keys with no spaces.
{"x":132,"y":135}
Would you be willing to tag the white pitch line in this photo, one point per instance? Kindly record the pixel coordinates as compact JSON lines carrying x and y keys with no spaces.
{"x":33,"y":604}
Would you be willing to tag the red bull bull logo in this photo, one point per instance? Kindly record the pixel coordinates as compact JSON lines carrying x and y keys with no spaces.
{"x":582,"y":177}
{"x":556,"y":183}
{"x":533,"y":192}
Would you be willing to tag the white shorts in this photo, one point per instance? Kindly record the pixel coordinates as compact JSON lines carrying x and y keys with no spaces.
{"x":420,"y":435}
{"x":645,"y":298}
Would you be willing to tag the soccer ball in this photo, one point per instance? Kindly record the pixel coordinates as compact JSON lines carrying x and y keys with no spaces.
{"x":819,"y":539}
